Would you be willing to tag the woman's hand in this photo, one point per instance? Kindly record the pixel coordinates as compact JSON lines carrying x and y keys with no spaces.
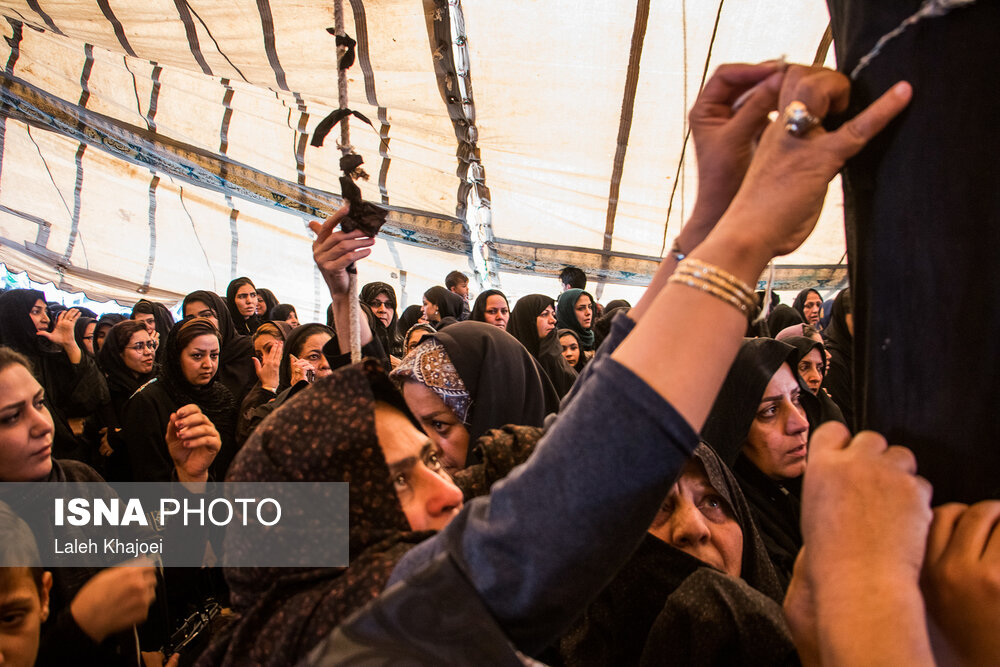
{"x":267,"y":370}
{"x":115,"y":599}
{"x":193,"y":443}
{"x":63,"y":334}
{"x":334,"y":251}
{"x":961,"y":583}
{"x":784,"y":188}
{"x":725,"y":138}
{"x":300,"y":368}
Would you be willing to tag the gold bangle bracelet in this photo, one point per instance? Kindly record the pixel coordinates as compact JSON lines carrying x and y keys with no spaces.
{"x":709,"y":288}
{"x":749,"y":302}
{"x":704,"y":267}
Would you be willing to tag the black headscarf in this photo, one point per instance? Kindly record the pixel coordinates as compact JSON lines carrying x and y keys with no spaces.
{"x":281,"y":312}
{"x":799,"y":304}
{"x":449,"y":305}
{"x":839,"y":380}
{"x":163,"y":320}
{"x":523,"y":326}
{"x":17,"y":330}
{"x":388,"y":335}
{"x":776,"y":504}
{"x":236,"y":369}
{"x":121,"y":379}
{"x":80,"y":330}
{"x":410,"y":316}
{"x":270,"y":301}
{"x":581,"y":360}
{"x":214,"y":398}
{"x":566,"y":316}
{"x":615,"y":627}
{"x":478,"y":313}
{"x":505,"y":383}
{"x":781,"y":317}
{"x":736,"y":405}
{"x":105,"y":322}
{"x":295,"y":339}
{"x":243,"y":325}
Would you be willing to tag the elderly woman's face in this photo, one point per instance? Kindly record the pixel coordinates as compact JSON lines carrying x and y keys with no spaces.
{"x":426,"y":493}
{"x":812,"y":308}
{"x":776,"y":442}
{"x":440,"y":424}
{"x":697,"y":520}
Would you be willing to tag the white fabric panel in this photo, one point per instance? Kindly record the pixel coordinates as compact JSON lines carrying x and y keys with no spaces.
{"x":548,"y":81}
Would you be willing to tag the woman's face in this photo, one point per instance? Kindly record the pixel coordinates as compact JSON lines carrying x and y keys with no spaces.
{"x":570,"y":349}
{"x":584,"y":311}
{"x":440,"y":424}
{"x":201,"y":309}
{"x":100,"y":333}
{"x":497,"y":312}
{"x":776,"y":443}
{"x":697,"y":520}
{"x":826,"y":360}
{"x":428,"y":496}
{"x":293,"y":319}
{"x":312,"y":351}
{"x":430,"y":311}
{"x":246,"y":300}
{"x":88,"y":337}
{"x":811,"y":369}
{"x":262,"y":345}
{"x":415,"y":339}
{"x":812,"y":308}
{"x":200,"y":360}
{"x":139,"y":352}
{"x":546,"y":322}
{"x":382,"y":308}
{"x":26,"y":427}
{"x":39,"y":316}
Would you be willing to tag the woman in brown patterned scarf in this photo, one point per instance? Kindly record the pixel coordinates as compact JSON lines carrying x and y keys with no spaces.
{"x":351,"y":426}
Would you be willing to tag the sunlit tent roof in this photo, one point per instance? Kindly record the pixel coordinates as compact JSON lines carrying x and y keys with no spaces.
{"x":155,"y":147}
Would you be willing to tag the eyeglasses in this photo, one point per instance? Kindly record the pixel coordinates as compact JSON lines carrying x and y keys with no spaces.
{"x":139,"y":347}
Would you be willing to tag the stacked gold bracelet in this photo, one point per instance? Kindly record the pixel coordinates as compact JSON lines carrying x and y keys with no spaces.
{"x":717,"y":282}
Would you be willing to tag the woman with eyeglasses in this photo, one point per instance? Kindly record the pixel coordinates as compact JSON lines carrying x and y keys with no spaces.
{"x":188,"y":377}
{"x":74,"y":386}
{"x":127,"y":360}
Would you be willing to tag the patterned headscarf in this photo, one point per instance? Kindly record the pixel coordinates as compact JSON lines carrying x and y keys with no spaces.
{"x":430,"y":365}
{"x":324,"y":433}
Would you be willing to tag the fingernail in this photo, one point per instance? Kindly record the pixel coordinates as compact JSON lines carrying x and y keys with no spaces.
{"x":903,"y":89}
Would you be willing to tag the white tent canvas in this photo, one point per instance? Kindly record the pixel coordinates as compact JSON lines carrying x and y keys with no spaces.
{"x":155,"y":147}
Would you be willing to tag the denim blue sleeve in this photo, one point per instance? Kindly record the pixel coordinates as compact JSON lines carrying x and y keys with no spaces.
{"x":553,"y":533}
{"x":621,"y":326}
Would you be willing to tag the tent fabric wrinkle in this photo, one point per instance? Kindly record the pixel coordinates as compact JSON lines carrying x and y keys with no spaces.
{"x":149,"y":148}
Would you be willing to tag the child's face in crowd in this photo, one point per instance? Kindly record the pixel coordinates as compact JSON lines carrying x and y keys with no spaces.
{"x":23,"y":609}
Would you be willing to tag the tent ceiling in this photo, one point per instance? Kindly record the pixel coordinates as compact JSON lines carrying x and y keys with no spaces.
{"x":161,"y":146}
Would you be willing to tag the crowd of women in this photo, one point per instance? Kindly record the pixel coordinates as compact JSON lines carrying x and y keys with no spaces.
{"x":553,"y":481}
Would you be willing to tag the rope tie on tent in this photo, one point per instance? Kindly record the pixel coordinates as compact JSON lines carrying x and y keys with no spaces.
{"x":363,"y":215}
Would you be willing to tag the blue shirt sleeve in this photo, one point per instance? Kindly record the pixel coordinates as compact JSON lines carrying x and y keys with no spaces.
{"x":554,"y":532}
